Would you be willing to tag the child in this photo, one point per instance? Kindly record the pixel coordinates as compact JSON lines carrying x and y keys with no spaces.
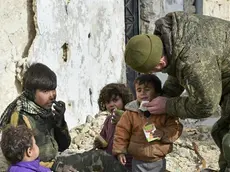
{"x":147,"y":137}
{"x":33,"y":109}
{"x":112,"y":98}
{"x":19,"y":147}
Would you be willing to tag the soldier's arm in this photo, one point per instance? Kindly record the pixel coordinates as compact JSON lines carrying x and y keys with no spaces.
{"x":122,"y":134}
{"x":62,"y":137}
{"x":172,"y":88}
{"x":202,"y":80}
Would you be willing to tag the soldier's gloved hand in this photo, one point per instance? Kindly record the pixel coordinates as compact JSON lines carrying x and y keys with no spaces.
{"x":59,"y":111}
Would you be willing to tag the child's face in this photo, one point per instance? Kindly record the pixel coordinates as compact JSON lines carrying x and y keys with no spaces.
{"x":115,"y":103}
{"x":145,"y":92}
{"x":33,"y":151}
{"x":44,"y":98}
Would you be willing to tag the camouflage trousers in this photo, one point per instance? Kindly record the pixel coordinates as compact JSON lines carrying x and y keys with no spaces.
{"x":221,"y":135}
{"x":91,"y":161}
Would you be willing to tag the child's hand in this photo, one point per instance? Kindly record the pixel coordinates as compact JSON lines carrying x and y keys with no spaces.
{"x":116,"y":116}
{"x":99,"y":142}
{"x":122,"y":159}
{"x":158,"y":134}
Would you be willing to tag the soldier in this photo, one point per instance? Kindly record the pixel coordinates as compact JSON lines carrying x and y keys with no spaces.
{"x":194,"y":50}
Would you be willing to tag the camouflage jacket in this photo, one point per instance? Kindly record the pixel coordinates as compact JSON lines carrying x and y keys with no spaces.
{"x":88,"y":161}
{"x":198,"y":51}
{"x":49,"y":138}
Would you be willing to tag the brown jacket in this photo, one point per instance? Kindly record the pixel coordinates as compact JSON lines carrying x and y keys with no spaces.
{"x":129,"y":136}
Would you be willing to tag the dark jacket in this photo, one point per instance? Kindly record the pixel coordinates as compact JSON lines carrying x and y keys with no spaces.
{"x":107,"y":133}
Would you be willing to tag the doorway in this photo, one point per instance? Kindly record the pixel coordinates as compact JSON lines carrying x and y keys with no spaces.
{"x":131,"y":29}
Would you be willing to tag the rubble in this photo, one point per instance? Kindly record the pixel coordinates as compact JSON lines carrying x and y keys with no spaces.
{"x":183,"y":158}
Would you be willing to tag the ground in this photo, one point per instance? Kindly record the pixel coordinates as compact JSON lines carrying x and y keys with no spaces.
{"x":183,"y":158}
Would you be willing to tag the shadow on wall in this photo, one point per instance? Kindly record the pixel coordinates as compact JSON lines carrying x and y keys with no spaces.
{"x":30,"y":27}
{"x":21,"y":65}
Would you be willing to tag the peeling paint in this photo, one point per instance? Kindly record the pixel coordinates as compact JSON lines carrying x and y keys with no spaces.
{"x":94,"y":30}
{"x":65,"y":49}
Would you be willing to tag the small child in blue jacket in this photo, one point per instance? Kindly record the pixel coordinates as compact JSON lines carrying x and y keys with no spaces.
{"x":19,"y":148}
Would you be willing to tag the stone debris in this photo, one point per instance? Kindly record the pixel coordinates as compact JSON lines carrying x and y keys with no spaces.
{"x":183,"y":158}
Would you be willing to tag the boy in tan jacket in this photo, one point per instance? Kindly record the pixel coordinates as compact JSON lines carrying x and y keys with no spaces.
{"x":147,"y":137}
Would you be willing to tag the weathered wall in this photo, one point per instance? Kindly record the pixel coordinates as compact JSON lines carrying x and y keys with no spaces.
{"x":16,"y":35}
{"x":92,"y":32}
{"x":151,"y":10}
{"x":217,"y":8}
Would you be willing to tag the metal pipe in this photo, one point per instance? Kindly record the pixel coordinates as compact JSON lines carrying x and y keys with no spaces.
{"x":199,"y":6}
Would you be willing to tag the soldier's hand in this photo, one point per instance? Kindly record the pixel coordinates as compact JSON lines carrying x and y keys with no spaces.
{"x":157,"y":105}
{"x":122,"y":159}
{"x":59,"y":111}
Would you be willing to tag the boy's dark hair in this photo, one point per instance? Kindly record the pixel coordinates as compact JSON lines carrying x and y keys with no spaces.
{"x":39,"y":76}
{"x":15,"y":142}
{"x":114,"y":89}
{"x":149,"y":79}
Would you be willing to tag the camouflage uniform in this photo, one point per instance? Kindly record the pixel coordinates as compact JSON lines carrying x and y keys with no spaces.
{"x":49,"y":138}
{"x":198,"y":51}
{"x":52,"y":139}
{"x":90,"y":161}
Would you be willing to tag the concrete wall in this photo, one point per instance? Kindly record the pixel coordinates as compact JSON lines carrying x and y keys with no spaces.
{"x":16,"y":35}
{"x":94,"y":33}
{"x":217,"y":8}
{"x":82,"y":41}
{"x":151,"y":10}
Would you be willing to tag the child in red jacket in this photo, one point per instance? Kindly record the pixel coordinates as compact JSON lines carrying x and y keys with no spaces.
{"x":112,"y":99}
